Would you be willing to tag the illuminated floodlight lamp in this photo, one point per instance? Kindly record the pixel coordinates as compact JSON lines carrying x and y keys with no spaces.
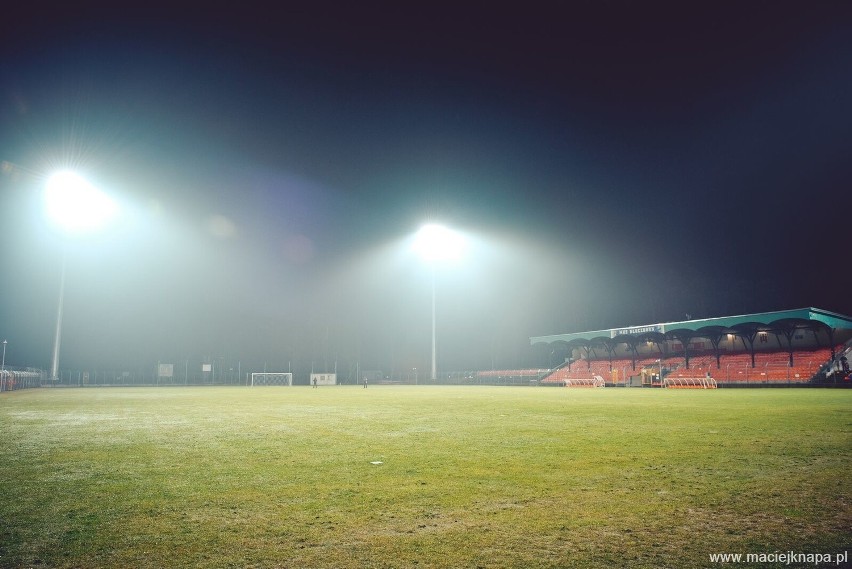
{"x":75,"y":205}
{"x":438,"y":243}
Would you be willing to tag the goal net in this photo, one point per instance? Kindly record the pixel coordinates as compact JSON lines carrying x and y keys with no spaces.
{"x":270,"y":378}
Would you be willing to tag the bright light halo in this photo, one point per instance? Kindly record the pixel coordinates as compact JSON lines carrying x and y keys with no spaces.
{"x":75,"y":205}
{"x":438,"y":243}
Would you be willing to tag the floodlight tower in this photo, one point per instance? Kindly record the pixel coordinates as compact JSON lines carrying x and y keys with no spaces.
{"x":75,"y":206}
{"x":3,"y":367}
{"x":436,"y":243}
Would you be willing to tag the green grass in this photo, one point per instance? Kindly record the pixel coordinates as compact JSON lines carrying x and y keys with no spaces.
{"x":471,"y":476}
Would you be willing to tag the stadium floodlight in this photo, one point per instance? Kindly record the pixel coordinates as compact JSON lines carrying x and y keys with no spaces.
{"x":435,"y":243}
{"x":3,"y":368}
{"x":438,"y":243}
{"x":75,"y":206}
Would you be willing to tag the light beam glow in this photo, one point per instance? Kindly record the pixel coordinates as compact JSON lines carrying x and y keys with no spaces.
{"x":438,"y":243}
{"x":75,"y":205}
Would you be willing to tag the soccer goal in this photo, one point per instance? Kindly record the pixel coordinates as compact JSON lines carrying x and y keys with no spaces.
{"x":271,"y":378}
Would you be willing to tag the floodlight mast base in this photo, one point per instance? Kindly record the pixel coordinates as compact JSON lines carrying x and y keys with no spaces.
{"x":54,"y":363}
{"x":434,"y":333}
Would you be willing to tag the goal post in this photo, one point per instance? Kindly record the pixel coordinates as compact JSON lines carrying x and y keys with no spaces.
{"x":271,"y":378}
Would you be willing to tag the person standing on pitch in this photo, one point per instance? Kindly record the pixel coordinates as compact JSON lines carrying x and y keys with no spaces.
{"x":315,"y":383}
{"x":365,"y":382}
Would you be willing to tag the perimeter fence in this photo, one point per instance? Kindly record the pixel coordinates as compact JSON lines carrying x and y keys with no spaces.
{"x":195,"y":375}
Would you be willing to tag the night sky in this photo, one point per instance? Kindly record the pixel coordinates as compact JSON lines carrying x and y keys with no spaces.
{"x":613,"y":163}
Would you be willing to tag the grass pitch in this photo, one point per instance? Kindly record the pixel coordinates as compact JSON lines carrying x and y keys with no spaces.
{"x":469,"y":476}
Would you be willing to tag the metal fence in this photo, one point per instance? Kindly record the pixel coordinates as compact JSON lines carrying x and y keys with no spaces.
{"x":145,"y":378}
{"x":198,"y":375}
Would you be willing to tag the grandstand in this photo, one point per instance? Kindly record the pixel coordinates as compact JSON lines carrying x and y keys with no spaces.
{"x":804,"y":346}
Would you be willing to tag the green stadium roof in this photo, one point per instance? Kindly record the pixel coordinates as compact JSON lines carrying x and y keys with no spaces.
{"x":830,"y":319}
